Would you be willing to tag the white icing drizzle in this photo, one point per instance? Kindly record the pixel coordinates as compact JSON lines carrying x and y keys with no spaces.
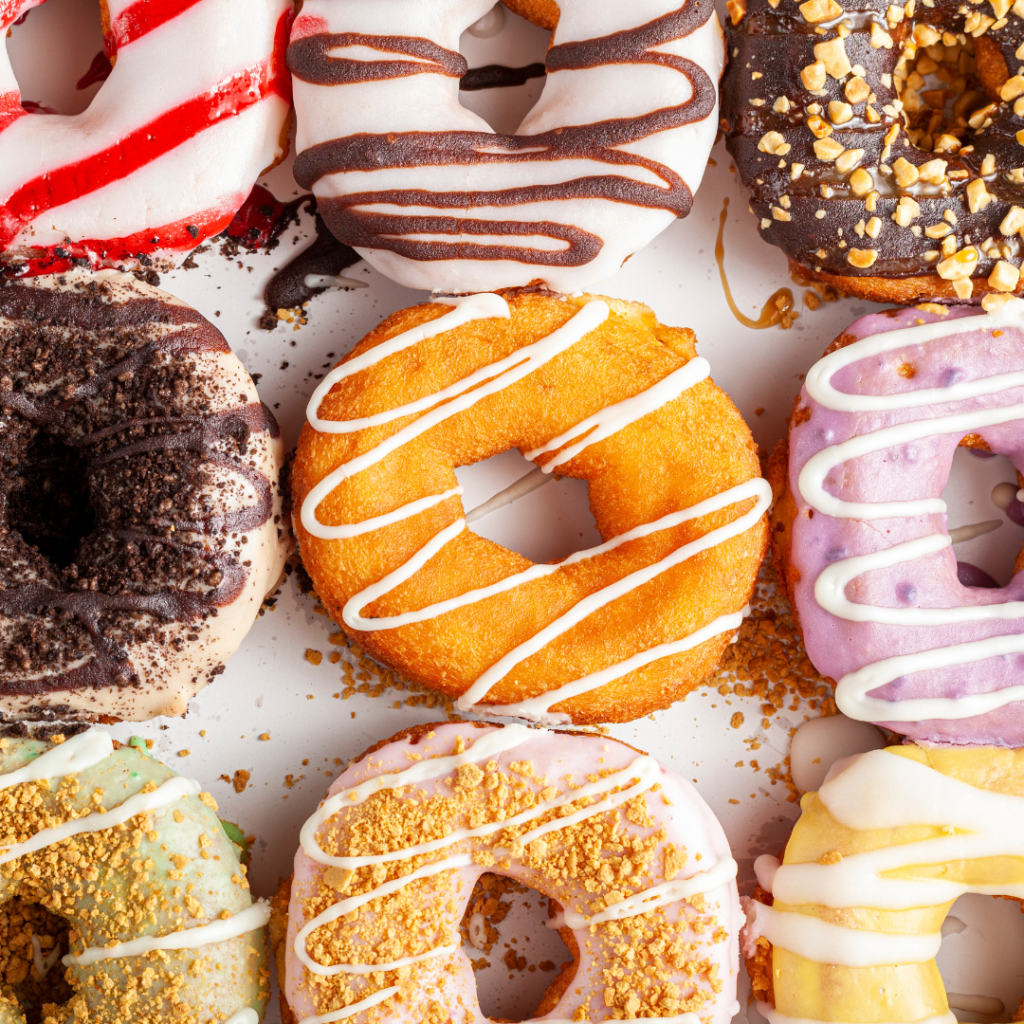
{"x":75,"y":755}
{"x":354,"y":1008}
{"x":249,"y":920}
{"x":463,"y":394}
{"x":988,"y":1005}
{"x":883,"y":790}
{"x":170,"y":792}
{"x":830,"y":587}
{"x":333,"y":281}
{"x":960,"y":534}
{"x":43,"y":964}
{"x":660,"y":895}
{"x":828,"y":943}
{"x":523,"y":486}
{"x":774,"y":1017}
{"x":246,"y":1016}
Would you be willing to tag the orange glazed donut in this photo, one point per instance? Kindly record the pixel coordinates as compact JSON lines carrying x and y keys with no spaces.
{"x":585,"y":387}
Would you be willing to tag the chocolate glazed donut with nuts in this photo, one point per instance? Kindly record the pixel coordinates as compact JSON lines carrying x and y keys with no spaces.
{"x":883,"y":144}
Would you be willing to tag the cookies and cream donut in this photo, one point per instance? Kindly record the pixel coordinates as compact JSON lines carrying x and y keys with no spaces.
{"x":143,"y":902}
{"x":861,"y":531}
{"x":193,"y":111}
{"x":141,"y":523}
{"x":585,"y":387}
{"x":367,"y":929}
{"x":433,"y":197}
{"x":848,"y":926}
{"x":881,"y":142}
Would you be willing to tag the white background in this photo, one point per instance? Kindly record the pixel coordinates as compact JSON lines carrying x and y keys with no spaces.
{"x":269,"y":686}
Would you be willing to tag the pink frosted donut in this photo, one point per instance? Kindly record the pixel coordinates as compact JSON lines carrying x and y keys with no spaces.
{"x":167,"y":151}
{"x":627,"y":849}
{"x":870,"y":562}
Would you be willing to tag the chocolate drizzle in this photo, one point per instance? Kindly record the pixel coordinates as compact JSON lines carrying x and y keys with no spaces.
{"x":325,"y":256}
{"x":116,"y":382}
{"x":354,"y":221}
{"x":309,"y":59}
{"x":498,"y":76}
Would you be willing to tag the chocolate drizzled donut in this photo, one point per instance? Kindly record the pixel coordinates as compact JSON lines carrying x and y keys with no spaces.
{"x":814,"y":119}
{"x":139,"y":521}
{"x":459,"y":207}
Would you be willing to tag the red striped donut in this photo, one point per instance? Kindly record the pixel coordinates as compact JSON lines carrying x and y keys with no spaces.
{"x":168,"y":150}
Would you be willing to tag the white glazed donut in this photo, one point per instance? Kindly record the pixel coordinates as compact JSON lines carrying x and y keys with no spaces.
{"x":428,"y":193}
{"x":167,"y":151}
{"x":368,"y":930}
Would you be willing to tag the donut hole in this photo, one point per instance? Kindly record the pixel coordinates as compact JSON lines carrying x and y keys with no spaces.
{"x":32,"y":941}
{"x":936,"y":78}
{"x":48,"y":503}
{"x":516,"y":44}
{"x":980,"y":958}
{"x":57,"y":55}
{"x":515,"y":956}
{"x":544,"y":525}
{"x":987,"y":532}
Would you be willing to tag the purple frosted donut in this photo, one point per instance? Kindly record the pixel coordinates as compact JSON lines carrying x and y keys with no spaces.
{"x":868,"y":559}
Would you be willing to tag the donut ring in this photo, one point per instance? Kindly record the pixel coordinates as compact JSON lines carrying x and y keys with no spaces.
{"x":428,"y":193}
{"x":875,"y":584}
{"x":133,"y":860}
{"x":510,"y":784}
{"x":833,"y":938}
{"x":141,"y":522}
{"x":193,"y":112}
{"x":608,"y":634}
{"x":814,"y":115}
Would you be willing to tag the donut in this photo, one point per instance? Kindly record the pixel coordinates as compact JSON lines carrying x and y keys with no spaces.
{"x":848,"y":926}
{"x":865,"y":550}
{"x":139,"y":895}
{"x":835,"y":121}
{"x":141,"y":522}
{"x":367,"y":928}
{"x":194,"y":110}
{"x":585,"y":387}
{"x":429,"y":194}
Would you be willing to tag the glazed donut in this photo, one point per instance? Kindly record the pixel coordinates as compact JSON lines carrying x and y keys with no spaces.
{"x":854,"y":170}
{"x":147,"y":891}
{"x":585,"y":387}
{"x":865,"y":549}
{"x":141,"y":525}
{"x":168,"y":150}
{"x":415,"y":821}
{"x":430,"y":195}
{"x":847,"y":928}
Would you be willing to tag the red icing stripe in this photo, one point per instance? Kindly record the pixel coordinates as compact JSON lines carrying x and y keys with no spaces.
{"x":179,"y":237}
{"x":141,"y":147}
{"x":10,"y":109}
{"x":140,"y":19}
{"x":281,"y":78}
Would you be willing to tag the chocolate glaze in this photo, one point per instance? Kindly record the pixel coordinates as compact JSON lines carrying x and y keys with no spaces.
{"x":600,"y":141}
{"x":89,"y":373}
{"x":776,"y":44}
{"x":287,"y":289}
{"x":498,"y":76}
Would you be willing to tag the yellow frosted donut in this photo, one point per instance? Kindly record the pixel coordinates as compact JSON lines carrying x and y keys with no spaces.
{"x":848,"y":926}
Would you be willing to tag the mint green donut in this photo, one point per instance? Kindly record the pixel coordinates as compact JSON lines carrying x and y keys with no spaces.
{"x":169,"y":868}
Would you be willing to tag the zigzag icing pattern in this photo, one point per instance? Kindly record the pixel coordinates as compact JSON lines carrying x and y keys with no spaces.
{"x":427,"y":191}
